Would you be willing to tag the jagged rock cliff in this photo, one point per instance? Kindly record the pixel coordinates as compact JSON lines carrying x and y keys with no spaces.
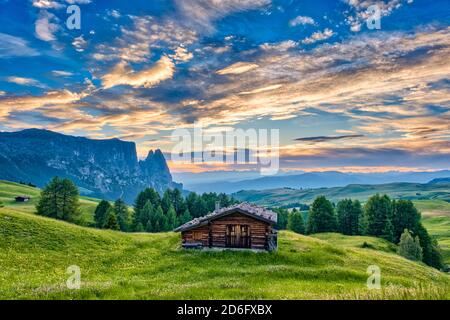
{"x":101,"y":168}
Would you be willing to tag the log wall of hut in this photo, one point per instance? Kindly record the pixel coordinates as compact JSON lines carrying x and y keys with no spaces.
{"x":215,"y":233}
{"x":197,"y":235}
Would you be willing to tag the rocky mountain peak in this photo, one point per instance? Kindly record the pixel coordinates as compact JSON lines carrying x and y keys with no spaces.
{"x":101,"y":168}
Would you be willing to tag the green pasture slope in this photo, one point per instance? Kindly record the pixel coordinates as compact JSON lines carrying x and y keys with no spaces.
{"x":10,"y":190}
{"x":35,"y":253}
{"x":436,"y":218}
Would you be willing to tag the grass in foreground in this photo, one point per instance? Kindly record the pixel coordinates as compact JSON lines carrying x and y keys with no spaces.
{"x":35,"y":253}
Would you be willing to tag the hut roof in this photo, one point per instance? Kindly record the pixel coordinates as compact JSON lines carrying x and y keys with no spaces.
{"x":244,"y":208}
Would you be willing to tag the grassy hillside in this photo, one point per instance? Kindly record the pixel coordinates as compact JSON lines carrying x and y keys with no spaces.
{"x":412,"y":191}
{"x":10,"y":190}
{"x":36,"y":251}
{"x":436,"y":218}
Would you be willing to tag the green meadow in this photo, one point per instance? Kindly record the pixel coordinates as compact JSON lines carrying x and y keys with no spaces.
{"x":35,"y":253}
{"x":9,"y":190}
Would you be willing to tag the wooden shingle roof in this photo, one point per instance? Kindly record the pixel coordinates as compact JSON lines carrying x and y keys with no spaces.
{"x":244,"y":208}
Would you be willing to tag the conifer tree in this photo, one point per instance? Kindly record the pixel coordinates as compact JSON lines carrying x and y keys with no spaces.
{"x":409,"y":247}
{"x":378,"y":210}
{"x":322,"y":217}
{"x":123,"y":217}
{"x":60,"y":200}
{"x":186,"y":217}
{"x":172,"y":220}
{"x":100,"y":213}
{"x":111,"y":220}
{"x":295,"y":222}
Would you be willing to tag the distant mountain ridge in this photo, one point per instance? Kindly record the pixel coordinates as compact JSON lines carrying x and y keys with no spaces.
{"x":102,"y":168}
{"x":362,"y":192}
{"x":326,"y":179}
{"x":440,"y":181}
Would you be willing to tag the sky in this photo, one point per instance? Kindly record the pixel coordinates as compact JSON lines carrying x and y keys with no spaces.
{"x":342,"y":95}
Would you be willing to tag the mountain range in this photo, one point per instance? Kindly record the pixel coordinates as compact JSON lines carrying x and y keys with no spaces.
{"x":327,"y":179}
{"x":107,"y":169}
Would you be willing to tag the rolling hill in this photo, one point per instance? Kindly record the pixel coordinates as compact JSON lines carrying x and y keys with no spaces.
{"x":9,"y":190}
{"x":233,"y":181}
{"x":35,"y":253}
{"x":403,"y":190}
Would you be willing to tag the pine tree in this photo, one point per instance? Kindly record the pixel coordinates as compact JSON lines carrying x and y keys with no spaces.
{"x":100,"y":213}
{"x":321,"y":217}
{"x":172,"y":220}
{"x":145,"y":196}
{"x":378,"y":211}
{"x":430,"y":248}
{"x":349,"y":214}
{"x":69,"y":201}
{"x":139,"y":227}
{"x":282,"y":219}
{"x":186,"y":217}
{"x":405,"y":216}
{"x":358,"y":223}
{"x":146,"y":215}
{"x":158,"y":220}
{"x":60,"y":200}
{"x":388,"y":231}
{"x":178,"y":202}
{"x":149,"y":227}
{"x":166,"y":201}
{"x":200,"y":208}
{"x":295,"y":222}
{"x":111,"y":220}
{"x":409,"y":247}
{"x":123,"y":217}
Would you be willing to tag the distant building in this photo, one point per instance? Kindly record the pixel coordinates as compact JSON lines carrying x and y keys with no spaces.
{"x":239,"y":226}
{"x":23,"y":198}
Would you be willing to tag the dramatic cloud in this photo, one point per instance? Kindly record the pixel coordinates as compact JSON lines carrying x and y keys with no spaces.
{"x":60,"y":73}
{"x":361,"y":14}
{"x":328,"y":138}
{"x":182,"y":55}
{"x":123,"y":75}
{"x":45,"y":29}
{"x":47,"y":4}
{"x":319,"y":36}
{"x":201,"y":13}
{"x":301,"y":20}
{"x":24,"y":81}
{"x":356,"y":98}
{"x":11,"y":46}
{"x":238,"y":68}
{"x":146,"y":33}
{"x":26,"y":103}
{"x":79,"y":44}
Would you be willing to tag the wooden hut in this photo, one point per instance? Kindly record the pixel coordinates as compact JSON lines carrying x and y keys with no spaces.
{"x":239,"y":226}
{"x":22,"y":198}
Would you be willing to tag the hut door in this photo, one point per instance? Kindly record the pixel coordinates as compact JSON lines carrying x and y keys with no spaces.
{"x":238,"y":236}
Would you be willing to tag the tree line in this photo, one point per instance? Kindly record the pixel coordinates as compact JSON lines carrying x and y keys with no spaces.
{"x":151,"y":212}
{"x":397,"y":221}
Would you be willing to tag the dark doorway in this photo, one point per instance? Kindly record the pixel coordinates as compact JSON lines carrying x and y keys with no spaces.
{"x":238,"y":236}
